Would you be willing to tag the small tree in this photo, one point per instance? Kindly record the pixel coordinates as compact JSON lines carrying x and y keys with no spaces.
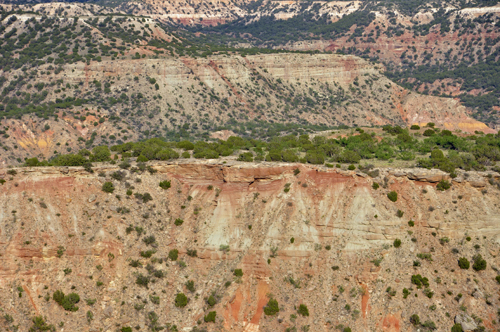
{"x":210,"y":317}
{"x":271,"y":308}
{"x":165,"y":184}
{"x":479,"y":263}
{"x":443,"y":185}
{"x":463,"y":263}
{"x":211,"y":300}
{"x":108,"y":187}
{"x":303,"y":310}
{"x":393,"y":196}
{"x":181,"y":300}
{"x":173,"y":254}
{"x":415,"y":320}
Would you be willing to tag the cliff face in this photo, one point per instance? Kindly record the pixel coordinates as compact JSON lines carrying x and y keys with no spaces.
{"x":59,"y":230}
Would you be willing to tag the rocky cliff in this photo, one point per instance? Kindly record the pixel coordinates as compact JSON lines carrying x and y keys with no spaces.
{"x":319,"y":237}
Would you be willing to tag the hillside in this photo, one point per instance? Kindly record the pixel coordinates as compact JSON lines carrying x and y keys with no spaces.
{"x":233,"y":236}
{"x":71,"y":82}
{"x":446,"y":48}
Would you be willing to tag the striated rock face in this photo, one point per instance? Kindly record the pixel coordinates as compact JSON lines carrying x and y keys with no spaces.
{"x":59,"y":230}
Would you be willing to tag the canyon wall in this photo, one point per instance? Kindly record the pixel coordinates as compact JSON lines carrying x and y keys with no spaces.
{"x":326,"y":242}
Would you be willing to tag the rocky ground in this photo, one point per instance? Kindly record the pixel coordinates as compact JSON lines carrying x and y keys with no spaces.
{"x":319,"y":237}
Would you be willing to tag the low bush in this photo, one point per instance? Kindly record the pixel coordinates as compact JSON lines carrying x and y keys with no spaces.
{"x":393,"y":196}
{"x":210,"y":317}
{"x":181,"y":300}
{"x":415,"y":320}
{"x":463,"y":263}
{"x":108,"y":187}
{"x":66,"y":301}
{"x":479,"y":263}
{"x":419,"y":281}
{"x":397,"y":243}
{"x":303,"y":310}
{"x":271,"y":308}
{"x":165,"y":184}
{"x":173,"y":254}
{"x":443,"y":185}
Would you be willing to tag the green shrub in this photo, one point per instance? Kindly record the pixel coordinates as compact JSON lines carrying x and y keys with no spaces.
{"x":444,"y":240}
{"x":303,"y":310}
{"x":397,"y":243}
{"x":147,"y":253}
{"x":351,"y":167}
{"x":238,"y":273}
{"x":211,"y":301}
{"x":271,"y":308}
{"x":463,"y":263}
{"x":178,"y":222}
{"x":456,"y":328}
{"x":375,"y":185}
{"x":246,"y":156}
{"x":186,"y":145}
{"x":173,"y":254}
{"x":165,"y":184}
{"x":108,"y":187}
{"x":142,"y":159}
{"x":39,"y":325}
{"x":443,"y":185}
{"x":190,"y":286}
{"x":149,"y":240}
{"x":415,"y":127}
{"x":479,"y":263}
{"x":58,"y":296}
{"x":415,"y":320}
{"x":126,"y":329}
{"x":400,"y":213}
{"x":419,"y":281}
{"x":192,"y":253}
{"x":428,"y":293}
{"x":142,"y":280}
{"x":210,"y":317}
{"x":67,"y":301}
{"x":181,"y":300}
{"x":411,"y":223}
{"x":393,"y":196}
{"x":292,"y":240}
{"x":497,"y":278}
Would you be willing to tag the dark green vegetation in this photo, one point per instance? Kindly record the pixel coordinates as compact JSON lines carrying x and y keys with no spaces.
{"x":272,"y":307}
{"x":467,"y":153}
{"x":66,"y":301}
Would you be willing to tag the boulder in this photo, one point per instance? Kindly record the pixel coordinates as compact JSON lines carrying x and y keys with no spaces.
{"x":433,"y":175}
{"x":92,"y":198}
{"x":466,"y":321}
